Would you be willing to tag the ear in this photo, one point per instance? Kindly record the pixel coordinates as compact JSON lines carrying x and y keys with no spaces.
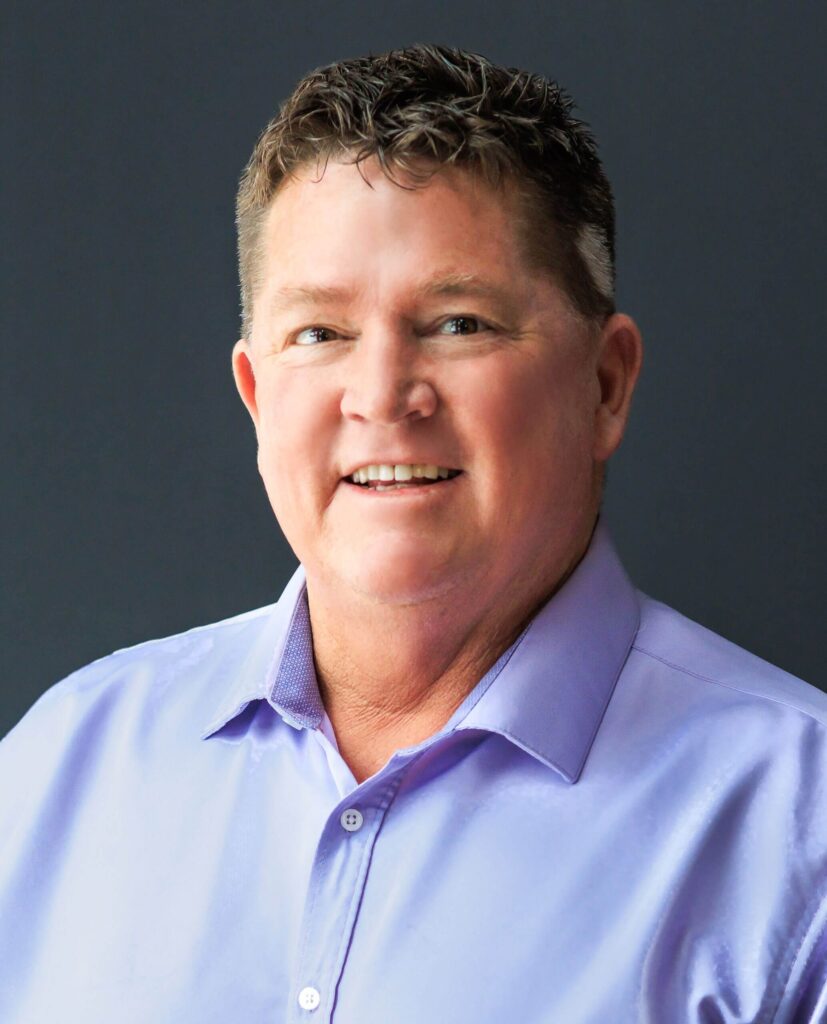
{"x":619,"y":358}
{"x":245,"y":379}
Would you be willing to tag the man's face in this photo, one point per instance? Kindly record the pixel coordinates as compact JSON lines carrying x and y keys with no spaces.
{"x":403,"y":328}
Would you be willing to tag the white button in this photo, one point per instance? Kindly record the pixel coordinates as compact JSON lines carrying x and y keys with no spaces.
{"x":309,"y":998}
{"x":351,"y":820}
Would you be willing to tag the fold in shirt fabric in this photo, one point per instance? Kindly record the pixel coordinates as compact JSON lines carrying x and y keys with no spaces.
{"x":624,"y":823}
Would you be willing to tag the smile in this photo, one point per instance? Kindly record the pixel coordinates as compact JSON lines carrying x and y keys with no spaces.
{"x":398,"y":477}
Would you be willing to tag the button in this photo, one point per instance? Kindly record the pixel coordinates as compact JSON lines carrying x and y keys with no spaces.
{"x":351,"y":819}
{"x":309,"y":998}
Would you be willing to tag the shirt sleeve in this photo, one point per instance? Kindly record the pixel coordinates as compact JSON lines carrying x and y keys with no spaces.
{"x":805,"y":997}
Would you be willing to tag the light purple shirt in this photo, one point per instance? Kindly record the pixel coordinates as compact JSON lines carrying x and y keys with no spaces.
{"x":625,"y":822}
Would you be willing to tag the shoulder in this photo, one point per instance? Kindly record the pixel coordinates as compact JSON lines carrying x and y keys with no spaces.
{"x":689,"y":657}
{"x":154,"y":664}
{"x":122,"y":692}
{"x":732,"y":753}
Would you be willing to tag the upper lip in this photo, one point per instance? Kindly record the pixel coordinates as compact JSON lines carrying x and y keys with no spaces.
{"x":405,"y":461}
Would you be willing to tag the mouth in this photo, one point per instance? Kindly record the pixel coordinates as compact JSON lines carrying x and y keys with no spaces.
{"x":377,"y":479}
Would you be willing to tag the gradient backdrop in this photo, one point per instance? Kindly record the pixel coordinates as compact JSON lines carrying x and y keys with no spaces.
{"x":131,"y":504}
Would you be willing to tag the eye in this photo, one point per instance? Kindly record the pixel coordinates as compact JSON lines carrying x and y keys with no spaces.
{"x":313,"y":335}
{"x":462,"y":324}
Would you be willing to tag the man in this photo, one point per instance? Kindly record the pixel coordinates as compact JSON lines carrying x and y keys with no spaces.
{"x":461,"y":770}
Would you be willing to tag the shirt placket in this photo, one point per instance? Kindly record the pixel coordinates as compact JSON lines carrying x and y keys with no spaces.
{"x":341,"y":866}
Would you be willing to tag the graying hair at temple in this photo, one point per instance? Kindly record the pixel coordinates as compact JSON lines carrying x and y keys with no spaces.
{"x":426,"y":107}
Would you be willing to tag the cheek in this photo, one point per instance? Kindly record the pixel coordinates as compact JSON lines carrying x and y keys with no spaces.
{"x":295,"y":428}
{"x":538,"y":434}
{"x":535,"y":416}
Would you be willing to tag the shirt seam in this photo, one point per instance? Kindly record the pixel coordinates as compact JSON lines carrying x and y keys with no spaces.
{"x":819,"y":904}
{"x":506,"y":658}
{"x":221,"y":624}
{"x":351,"y":918}
{"x":358,"y":896}
{"x":727,"y":686}
{"x":621,"y":665}
{"x":519,"y":742}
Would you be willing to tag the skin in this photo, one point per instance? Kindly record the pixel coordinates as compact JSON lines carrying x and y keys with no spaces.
{"x":414,"y":594}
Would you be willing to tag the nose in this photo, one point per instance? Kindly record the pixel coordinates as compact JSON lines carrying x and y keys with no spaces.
{"x":385,"y":381}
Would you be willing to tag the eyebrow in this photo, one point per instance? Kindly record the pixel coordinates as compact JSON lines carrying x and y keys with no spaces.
{"x":289,"y":296}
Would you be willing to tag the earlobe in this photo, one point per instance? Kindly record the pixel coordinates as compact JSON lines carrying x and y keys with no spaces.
{"x":245,"y":380}
{"x":618,"y":367}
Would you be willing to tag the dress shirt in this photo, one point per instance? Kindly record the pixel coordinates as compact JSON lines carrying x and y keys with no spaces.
{"x":623,"y":823}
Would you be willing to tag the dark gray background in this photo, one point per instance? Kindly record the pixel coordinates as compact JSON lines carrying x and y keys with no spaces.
{"x":132,"y":507}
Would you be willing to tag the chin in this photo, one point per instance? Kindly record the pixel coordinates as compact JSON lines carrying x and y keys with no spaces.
{"x":395,"y":580}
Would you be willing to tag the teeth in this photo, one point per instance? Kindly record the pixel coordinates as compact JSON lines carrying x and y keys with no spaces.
{"x":400,"y":473}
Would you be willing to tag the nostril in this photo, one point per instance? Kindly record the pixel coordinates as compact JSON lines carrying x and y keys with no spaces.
{"x":389,"y":402}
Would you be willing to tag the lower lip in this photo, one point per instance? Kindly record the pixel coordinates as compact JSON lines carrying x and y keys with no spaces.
{"x":418,"y":492}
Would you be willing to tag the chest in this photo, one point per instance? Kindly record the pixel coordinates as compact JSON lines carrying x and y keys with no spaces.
{"x":463,"y":887}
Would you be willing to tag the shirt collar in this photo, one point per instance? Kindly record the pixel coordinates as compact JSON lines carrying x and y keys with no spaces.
{"x":264,"y":656}
{"x":550,"y":696}
{"x":547,"y":693}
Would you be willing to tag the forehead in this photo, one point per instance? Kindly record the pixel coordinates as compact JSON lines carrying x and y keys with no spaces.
{"x":344,"y":219}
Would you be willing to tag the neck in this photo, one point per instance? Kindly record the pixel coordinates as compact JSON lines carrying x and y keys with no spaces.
{"x":392,"y":675}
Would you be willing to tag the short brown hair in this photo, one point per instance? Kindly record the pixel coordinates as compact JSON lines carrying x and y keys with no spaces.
{"x":430,"y":106}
